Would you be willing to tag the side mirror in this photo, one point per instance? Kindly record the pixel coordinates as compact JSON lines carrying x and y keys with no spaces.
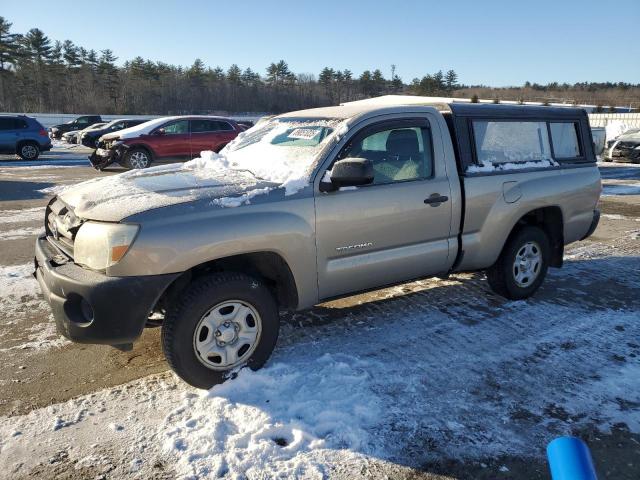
{"x":160,"y":131}
{"x":350,"y":172}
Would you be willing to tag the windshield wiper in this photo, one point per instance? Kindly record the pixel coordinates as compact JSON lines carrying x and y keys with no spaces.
{"x":247,"y":170}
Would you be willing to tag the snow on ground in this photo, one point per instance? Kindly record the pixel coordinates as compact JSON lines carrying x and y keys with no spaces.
{"x":19,"y":299}
{"x":620,"y":189}
{"x":468,"y":378}
{"x":25,"y":215}
{"x":18,"y":233}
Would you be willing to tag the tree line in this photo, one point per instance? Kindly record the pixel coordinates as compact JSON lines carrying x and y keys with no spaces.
{"x":38,"y":74}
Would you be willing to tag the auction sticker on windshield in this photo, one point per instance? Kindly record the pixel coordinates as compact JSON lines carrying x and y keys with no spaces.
{"x":305,"y":133}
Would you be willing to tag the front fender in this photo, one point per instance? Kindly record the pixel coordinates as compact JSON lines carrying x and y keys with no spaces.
{"x":186,"y":237}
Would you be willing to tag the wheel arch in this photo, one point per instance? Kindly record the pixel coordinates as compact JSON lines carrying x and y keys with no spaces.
{"x":269,"y":266}
{"x":551,"y":221}
{"x":142,"y":146}
{"x":26,"y":141}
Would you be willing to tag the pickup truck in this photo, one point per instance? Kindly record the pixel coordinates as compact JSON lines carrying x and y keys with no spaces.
{"x":309,"y":206}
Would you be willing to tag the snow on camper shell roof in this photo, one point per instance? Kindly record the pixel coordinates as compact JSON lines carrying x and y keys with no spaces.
{"x":389,"y":103}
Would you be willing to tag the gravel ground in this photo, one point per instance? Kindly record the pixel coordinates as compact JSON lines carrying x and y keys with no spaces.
{"x":464,"y":383}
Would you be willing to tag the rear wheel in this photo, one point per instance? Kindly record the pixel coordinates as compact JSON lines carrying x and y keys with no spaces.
{"x":522,"y":265}
{"x":137,"y":158}
{"x":29,"y":151}
{"x":220,"y":323}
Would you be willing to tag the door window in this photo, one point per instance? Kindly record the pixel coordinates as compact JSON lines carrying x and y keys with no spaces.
{"x":223,"y":126}
{"x":565,"y":140}
{"x":202,"y":126}
{"x":176,"y":128}
{"x":397,"y":154}
{"x":7,"y":124}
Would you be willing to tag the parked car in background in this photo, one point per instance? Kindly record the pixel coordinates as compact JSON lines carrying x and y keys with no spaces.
{"x":89,"y":138}
{"x":74,"y":136}
{"x":246,"y":124}
{"x":624,"y":148}
{"x":599,"y":135}
{"x":330,"y":202}
{"x":78,"y":124}
{"x":24,"y":136}
{"x":182,"y":137}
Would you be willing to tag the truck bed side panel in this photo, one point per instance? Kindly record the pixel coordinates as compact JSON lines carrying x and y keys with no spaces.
{"x":489,"y":218}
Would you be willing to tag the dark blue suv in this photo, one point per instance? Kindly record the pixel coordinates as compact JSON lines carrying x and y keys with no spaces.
{"x":23,"y":136}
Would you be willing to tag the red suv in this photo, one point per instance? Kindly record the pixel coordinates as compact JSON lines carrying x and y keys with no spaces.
{"x":164,"y":138}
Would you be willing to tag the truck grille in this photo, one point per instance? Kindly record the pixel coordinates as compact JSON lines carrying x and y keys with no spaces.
{"x":61,"y":226}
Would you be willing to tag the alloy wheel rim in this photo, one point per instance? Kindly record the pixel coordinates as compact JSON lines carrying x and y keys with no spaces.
{"x":527,"y":264}
{"x":139,"y":160}
{"x":29,"y":151}
{"x":227,"y":335}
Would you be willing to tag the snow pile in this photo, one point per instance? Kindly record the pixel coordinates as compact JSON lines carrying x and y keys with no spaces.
{"x":251,"y":427}
{"x":615,"y":128}
{"x":488,"y":166}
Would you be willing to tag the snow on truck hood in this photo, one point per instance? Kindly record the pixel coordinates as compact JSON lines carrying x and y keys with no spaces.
{"x":278,"y":154}
{"x":119,"y":196}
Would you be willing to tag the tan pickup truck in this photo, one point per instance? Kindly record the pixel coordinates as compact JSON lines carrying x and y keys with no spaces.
{"x":309,"y":206}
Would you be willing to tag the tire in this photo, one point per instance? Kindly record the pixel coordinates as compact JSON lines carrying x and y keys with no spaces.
{"x":137,"y":158}
{"x":29,"y":151}
{"x":514,"y":279}
{"x":186,"y":334}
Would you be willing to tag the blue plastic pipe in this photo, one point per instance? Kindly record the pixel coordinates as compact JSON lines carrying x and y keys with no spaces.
{"x":569,"y":459}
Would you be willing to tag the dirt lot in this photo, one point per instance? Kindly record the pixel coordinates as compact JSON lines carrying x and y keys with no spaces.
{"x":480,"y":385}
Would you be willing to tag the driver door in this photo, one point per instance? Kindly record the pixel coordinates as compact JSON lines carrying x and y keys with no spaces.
{"x":388,"y":231}
{"x":175,"y":142}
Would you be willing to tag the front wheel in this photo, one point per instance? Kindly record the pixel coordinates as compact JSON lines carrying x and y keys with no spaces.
{"x":29,"y":151}
{"x":137,"y":158}
{"x":522,"y":265}
{"x":221,"y":322}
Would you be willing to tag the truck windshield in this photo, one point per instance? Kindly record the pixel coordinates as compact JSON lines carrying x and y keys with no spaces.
{"x":281,"y":149}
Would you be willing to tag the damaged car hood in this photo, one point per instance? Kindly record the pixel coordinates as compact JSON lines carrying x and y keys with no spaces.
{"x":114,"y":198}
{"x":137,"y":130}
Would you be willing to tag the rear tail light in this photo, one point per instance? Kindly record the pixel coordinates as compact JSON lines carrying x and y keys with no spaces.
{"x":43,"y":132}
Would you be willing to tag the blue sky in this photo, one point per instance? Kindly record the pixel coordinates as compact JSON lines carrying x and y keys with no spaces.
{"x":492,"y":42}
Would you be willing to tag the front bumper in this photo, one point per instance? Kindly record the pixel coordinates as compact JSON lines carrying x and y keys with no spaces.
{"x":103,"y":158}
{"x":89,"y":307}
{"x":630,"y":156}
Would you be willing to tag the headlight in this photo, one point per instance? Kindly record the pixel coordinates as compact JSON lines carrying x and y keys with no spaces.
{"x":100,"y":245}
{"x":637,"y":147}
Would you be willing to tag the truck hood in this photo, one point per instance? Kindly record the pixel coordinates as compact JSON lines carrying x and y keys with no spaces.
{"x":114,"y":198}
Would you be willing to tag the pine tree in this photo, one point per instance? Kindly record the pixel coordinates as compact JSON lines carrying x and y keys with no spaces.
{"x":71,"y":54}
{"x":451,"y":81}
{"x":9,"y":51}
{"x":37,"y":46}
{"x":9,"y":45}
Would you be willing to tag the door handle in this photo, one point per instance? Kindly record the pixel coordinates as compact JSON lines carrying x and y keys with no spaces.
{"x":435,"y":199}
